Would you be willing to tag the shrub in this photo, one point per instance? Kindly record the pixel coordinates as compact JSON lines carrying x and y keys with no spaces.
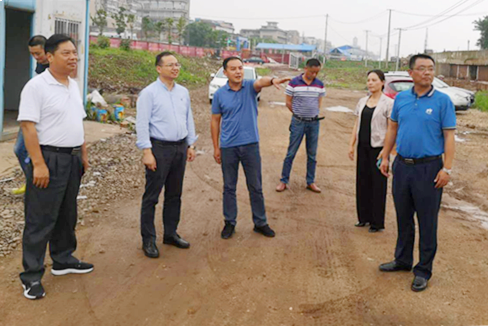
{"x":481,"y":101}
{"x":125,"y":44}
{"x":103,"y":42}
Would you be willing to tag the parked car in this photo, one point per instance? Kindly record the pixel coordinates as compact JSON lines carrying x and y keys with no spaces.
{"x":219,"y":80}
{"x":398,"y":81}
{"x":257,"y":60}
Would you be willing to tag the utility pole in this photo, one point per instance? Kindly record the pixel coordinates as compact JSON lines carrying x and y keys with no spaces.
{"x":388,"y":41}
{"x":426,"y":39}
{"x":325,"y":38}
{"x":468,"y":45}
{"x":366,"y":61}
{"x":381,"y":45}
{"x":398,"y":50}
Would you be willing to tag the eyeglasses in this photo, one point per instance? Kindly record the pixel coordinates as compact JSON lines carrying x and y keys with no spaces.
{"x":424,"y":69}
{"x":172,"y":65}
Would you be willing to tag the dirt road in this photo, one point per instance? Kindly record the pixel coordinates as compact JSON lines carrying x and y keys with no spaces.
{"x":319,"y":270}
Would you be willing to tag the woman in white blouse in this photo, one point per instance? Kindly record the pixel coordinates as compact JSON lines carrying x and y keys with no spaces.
{"x":368,"y":136}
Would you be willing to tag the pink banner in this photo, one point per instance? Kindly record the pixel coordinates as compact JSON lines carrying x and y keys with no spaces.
{"x":153,"y":47}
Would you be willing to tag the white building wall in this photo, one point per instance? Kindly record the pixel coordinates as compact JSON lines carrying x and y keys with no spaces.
{"x":68,"y":11}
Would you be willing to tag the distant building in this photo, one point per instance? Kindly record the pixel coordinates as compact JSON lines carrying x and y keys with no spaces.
{"x":161,"y":9}
{"x":112,"y":7}
{"x":271,"y":31}
{"x":218,"y":25}
{"x":466,"y":65}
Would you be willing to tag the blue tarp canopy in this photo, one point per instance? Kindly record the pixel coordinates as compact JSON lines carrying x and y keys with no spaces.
{"x":287,"y":47}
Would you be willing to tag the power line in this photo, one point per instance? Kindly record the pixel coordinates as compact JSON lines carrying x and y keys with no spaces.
{"x":451,"y":8}
{"x":424,"y":15}
{"x":360,"y":21}
{"x":456,"y":14}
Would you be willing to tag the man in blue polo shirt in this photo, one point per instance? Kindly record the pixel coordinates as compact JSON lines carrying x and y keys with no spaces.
{"x":423,"y":122}
{"x":304,"y":96}
{"x":235,"y":120}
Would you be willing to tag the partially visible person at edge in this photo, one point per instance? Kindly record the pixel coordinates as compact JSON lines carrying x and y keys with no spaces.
{"x":304,"y":96}
{"x":235,"y":137}
{"x":36,"y":49}
{"x":51,"y":115}
{"x":367,"y":138}
{"x":423,"y":123}
{"x":166,"y":134}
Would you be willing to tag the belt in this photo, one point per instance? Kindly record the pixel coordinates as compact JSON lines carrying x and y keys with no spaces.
{"x":65,"y":150}
{"x":413,"y":161}
{"x":316,"y":118}
{"x":164,"y":142}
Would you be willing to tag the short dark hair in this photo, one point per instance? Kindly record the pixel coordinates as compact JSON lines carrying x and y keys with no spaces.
{"x":52,"y":43}
{"x":413,"y":59}
{"x":379,"y":73}
{"x":163,"y":54}
{"x":226,"y":61}
{"x":313,"y":62}
{"x":38,"y":40}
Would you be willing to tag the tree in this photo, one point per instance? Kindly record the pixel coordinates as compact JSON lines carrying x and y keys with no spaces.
{"x":147,"y":27}
{"x":180,"y":27}
{"x":481,"y":25}
{"x":169,"y":24}
{"x":100,"y":20}
{"x":120,"y":21}
{"x":201,"y":34}
{"x":131,"y":19}
{"x":160,"y":27}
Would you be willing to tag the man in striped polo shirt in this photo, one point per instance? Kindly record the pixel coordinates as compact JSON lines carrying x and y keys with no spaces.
{"x":304,"y":96}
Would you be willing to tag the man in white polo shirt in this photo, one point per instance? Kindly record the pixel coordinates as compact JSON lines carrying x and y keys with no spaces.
{"x":51,"y":116}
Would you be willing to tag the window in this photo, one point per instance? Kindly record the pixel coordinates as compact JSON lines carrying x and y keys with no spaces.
{"x":68,"y":27}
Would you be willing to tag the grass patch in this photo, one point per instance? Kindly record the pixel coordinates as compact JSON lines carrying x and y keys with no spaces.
{"x":263,"y":71}
{"x":481,"y":101}
{"x":116,"y":70}
{"x":349,"y":74}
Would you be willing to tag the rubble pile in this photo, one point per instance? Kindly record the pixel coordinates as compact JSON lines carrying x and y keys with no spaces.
{"x":115,"y":171}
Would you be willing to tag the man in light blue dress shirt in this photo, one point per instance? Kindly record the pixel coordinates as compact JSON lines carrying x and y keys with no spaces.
{"x":166,"y":134}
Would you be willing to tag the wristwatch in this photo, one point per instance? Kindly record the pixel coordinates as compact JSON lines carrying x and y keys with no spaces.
{"x":448,"y":171}
{"x":191,"y":146}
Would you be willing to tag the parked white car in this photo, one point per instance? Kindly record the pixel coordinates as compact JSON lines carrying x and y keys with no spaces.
{"x":460,"y":97}
{"x":219,"y":80}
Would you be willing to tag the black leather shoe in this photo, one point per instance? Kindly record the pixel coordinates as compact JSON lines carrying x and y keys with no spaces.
{"x":228,"y":231}
{"x":265,"y":230}
{"x":419,"y":283}
{"x":176,"y":241}
{"x":393,"y":266}
{"x":361,"y":224}
{"x":150,"y":249}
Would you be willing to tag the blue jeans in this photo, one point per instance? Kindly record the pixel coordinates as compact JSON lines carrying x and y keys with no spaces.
{"x":249,"y":157}
{"x":21,"y":152}
{"x":299,"y":129}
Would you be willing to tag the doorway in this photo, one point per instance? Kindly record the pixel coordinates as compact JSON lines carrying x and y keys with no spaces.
{"x":17,"y":64}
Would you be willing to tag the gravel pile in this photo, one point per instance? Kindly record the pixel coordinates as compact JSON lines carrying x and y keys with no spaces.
{"x":115,"y":170}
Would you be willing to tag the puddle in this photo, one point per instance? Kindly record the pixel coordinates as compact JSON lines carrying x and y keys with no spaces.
{"x":339,"y":109}
{"x":468,"y":211}
{"x":278,"y":103}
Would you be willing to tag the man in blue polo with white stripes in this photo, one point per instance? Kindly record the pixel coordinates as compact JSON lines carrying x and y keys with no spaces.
{"x":423,"y":123}
{"x":304,"y":96}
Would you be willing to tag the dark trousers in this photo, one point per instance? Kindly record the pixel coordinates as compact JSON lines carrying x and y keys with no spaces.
{"x":170,"y":172}
{"x":414,"y":192}
{"x":249,"y":157}
{"x":371,"y":187}
{"x":51,"y":215}
{"x":298,"y":130}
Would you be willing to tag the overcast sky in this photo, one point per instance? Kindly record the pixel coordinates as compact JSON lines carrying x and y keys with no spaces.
{"x":308,"y":17}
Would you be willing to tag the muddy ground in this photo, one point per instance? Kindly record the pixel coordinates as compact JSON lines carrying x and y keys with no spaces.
{"x":319,"y":270}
